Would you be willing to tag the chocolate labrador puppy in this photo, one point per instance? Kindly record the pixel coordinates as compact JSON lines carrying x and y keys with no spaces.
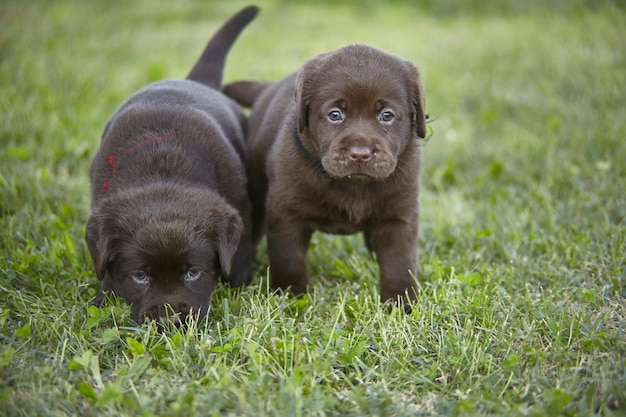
{"x":335,"y":148}
{"x":170,"y":211}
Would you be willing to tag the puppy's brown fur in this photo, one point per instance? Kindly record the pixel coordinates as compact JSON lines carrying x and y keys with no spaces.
{"x":170,"y":212}
{"x":342,"y":157}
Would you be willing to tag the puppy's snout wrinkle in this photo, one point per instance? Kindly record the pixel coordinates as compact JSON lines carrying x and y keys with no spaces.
{"x":360,"y":153}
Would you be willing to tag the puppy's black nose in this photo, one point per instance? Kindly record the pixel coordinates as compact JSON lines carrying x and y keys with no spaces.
{"x":360,"y":153}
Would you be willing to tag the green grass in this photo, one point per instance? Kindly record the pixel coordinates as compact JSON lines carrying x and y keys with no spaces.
{"x":523,"y":233}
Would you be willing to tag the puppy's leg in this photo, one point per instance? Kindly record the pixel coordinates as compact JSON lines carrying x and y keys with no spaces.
{"x":257,"y":189}
{"x":367,"y":238}
{"x":287,"y":245}
{"x":395,"y":245}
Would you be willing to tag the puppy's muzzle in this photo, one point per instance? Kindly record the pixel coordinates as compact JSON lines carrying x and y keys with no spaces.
{"x":361,"y":162}
{"x":175,"y":314}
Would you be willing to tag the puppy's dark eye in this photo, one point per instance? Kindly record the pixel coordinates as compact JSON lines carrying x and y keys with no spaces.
{"x":386,"y":116}
{"x":335,"y":116}
{"x":140,"y":277}
{"x":192,"y":274}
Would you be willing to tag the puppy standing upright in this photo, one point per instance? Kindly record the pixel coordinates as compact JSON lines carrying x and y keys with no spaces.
{"x":170,"y":212}
{"x":343,"y":157}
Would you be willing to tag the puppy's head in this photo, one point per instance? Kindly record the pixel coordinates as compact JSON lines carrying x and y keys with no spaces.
{"x":162,"y":249}
{"x":357,"y":109}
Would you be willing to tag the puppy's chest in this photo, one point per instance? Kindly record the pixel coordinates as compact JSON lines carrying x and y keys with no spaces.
{"x":344,"y":213}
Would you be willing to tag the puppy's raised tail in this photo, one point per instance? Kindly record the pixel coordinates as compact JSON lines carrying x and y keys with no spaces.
{"x":244,"y":92}
{"x":210,"y":67}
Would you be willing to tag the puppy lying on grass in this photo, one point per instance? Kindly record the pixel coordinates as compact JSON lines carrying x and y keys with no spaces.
{"x":170,"y":212}
{"x":335,"y":148}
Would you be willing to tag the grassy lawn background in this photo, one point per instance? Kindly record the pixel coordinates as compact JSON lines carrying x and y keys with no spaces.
{"x":523,"y":236}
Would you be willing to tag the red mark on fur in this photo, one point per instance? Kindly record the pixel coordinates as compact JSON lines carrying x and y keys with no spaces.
{"x":113,"y":163}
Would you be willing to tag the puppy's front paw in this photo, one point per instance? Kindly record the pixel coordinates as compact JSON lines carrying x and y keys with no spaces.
{"x":403,"y":303}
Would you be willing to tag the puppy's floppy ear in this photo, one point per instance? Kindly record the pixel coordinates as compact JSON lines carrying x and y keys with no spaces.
{"x":99,"y":244}
{"x":303,"y":82}
{"x":418,"y":99}
{"x":225,"y":227}
{"x":304,"y":87}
